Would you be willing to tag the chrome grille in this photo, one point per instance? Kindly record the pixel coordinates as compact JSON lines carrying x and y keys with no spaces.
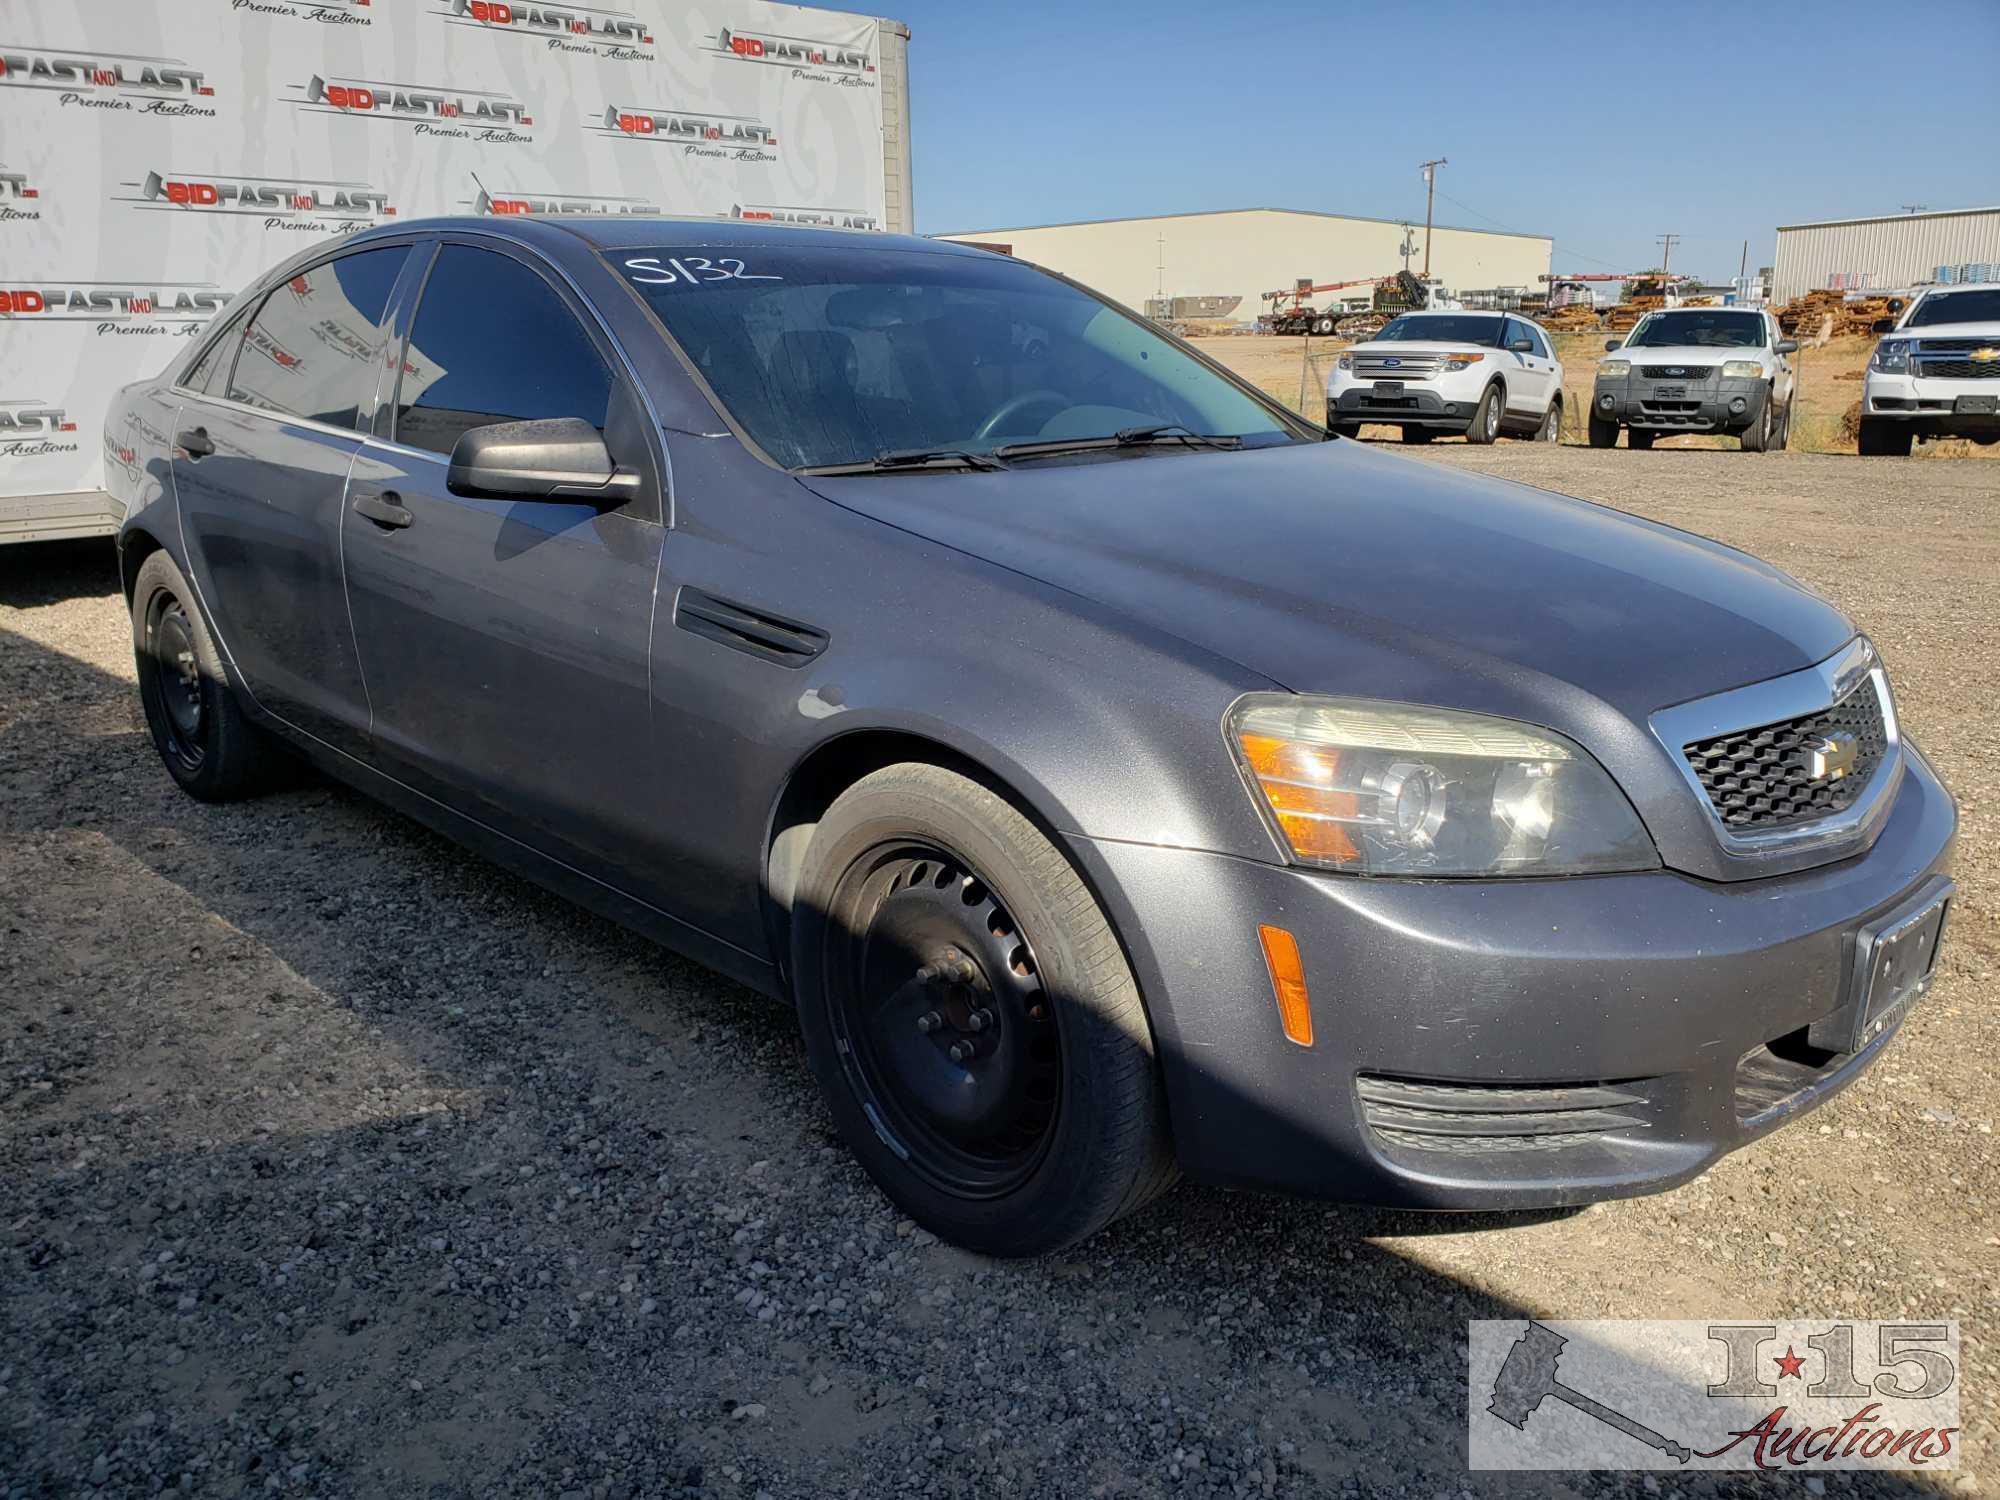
{"x":1958,"y":369}
{"x":1692,"y":374}
{"x":1763,"y":777}
{"x":1406,"y":366}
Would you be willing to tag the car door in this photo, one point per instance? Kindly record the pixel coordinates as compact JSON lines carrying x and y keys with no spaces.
{"x":261,"y":452}
{"x":505,"y":643}
{"x":1781,"y":382}
{"x":1531,"y":373}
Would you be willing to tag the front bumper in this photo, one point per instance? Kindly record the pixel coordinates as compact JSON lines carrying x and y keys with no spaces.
{"x":1672,"y":1012}
{"x":1933,"y":407}
{"x":1432,"y":403}
{"x":1703,"y":406}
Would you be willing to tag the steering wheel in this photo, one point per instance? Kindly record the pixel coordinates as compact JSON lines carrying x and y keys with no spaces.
{"x":1014,"y":405}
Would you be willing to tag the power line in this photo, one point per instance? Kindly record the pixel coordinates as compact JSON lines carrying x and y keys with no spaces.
{"x":1596,"y":260}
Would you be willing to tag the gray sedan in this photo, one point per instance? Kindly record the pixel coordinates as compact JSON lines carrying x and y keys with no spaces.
{"x":1118,"y":778}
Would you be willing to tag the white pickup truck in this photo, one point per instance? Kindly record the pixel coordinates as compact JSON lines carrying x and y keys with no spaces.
{"x":1936,"y":373}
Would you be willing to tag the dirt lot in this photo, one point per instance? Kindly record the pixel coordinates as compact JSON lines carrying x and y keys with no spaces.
{"x":334,"y":1162}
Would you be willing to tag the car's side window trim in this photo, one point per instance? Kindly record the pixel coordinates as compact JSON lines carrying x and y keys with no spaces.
{"x":623,"y":378}
{"x":231,"y":325}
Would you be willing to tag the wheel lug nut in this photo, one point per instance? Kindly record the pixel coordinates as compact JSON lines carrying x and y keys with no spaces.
{"x":927,"y":974}
{"x":961,"y":1052}
{"x":929,"y":1021}
{"x":979,"y":1020}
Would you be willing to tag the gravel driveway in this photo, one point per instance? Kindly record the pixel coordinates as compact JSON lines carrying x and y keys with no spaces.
{"x":335,"y":1162}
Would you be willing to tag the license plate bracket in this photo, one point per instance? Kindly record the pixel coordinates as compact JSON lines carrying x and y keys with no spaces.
{"x":1388,"y":387}
{"x":1976,"y":406}
{"x":1893,"y":961}
{"x":1671,"y":392}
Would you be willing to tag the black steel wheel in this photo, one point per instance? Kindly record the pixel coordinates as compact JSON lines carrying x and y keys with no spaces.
{"x":971,"y":1019}
{"x":206,"y":743}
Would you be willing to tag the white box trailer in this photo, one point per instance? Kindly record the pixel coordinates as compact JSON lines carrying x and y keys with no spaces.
{"x":154,"y":158}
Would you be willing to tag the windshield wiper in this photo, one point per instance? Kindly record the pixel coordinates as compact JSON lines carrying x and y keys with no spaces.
{"x":1125,"y":437}
{"x":915,"y":459}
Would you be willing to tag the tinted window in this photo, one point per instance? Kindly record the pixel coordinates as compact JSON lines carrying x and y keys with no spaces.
{"x":494,"y":343}
{"x":833,"y":356}
{"x":313,"y":348}
{"x":1957,"y":307}
{"x":1456,"y":328}
{"x":1715,"y":330}
{"x":1535,"y":337}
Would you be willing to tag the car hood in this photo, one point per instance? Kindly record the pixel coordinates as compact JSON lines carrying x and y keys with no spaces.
{"x":1326,"y":567}
{"x":1421,"y":346}
{"x":1691,"y":355}
{"x":1986,"y":330}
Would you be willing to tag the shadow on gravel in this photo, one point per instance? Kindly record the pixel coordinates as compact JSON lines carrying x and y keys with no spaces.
{"x":38,"y":573}
{"x":335,"y":1161}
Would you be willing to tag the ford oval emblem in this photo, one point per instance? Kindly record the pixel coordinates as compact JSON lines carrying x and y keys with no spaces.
{"x":1392,"y":364}
{"x":1677,"y":370}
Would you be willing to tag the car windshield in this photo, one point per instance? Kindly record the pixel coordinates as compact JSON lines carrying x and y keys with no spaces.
{"x":1483,"y":333}
{"x":836,"y":355}
{"x":1956,"y":307}
{"x":1710,"y":330}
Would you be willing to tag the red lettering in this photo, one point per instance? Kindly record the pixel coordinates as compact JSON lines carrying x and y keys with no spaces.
{"x":509,"y":206}
{"x":104,"y":78}
{"x":746,"y":46}
{"x":493,"y":12}
{"x":22,"y":302}
{"x":140,"y":305}
{"x":636,"y":124}
{"x":342,"y":96}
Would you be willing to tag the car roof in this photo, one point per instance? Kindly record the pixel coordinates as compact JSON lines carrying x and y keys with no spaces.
{"x":632,"y":231}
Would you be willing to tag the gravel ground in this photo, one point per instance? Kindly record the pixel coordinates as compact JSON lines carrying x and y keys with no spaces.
{"x":335,"y":1162}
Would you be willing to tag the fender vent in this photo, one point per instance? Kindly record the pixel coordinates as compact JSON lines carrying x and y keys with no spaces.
{"x":1466,"y":1118}
{"x":751,"y":631}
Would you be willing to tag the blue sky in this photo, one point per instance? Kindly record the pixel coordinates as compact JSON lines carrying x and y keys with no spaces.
{"x":1602,"y":125}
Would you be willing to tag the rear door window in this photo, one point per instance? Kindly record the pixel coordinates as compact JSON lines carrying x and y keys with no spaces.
{"x":493,"y":342}
{"x":313,"y":348}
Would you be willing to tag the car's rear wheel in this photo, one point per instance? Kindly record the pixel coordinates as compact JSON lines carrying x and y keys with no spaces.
{"x":1486,"y":416}
{"x":1552,"y":424}
{"x":1602,"y":433}
{"x":971,"y":1018}
{"x":1418,"y":434}
{"x":208,"y":745}
{"x":1881,"y":439}
{"x":1636,"y":437}
{"x":1322,"y":326}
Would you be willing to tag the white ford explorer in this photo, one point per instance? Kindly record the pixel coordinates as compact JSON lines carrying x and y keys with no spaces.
{"x":1481,"y":374}
{"x":1936,"y":374}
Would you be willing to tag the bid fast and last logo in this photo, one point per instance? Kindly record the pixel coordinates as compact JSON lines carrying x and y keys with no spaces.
{"x":616,"y":34}
{"x":20,"y":200}
{"x":114,"y":308}
{"x":695,"y":132}
{"x":503,"y":202}
{"x":282,"y":203}
{"x":34,"y":429}
{"x":83,"y":78}
{"x":807,"y":57}
{"x":444,"y":111}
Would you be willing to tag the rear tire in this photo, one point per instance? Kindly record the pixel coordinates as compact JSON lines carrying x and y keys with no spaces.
{"x":1322,"y":326}
{"x":1881,"y":439}
{"x":1638,"y":438}
{"x":1418,"y":434}
{"x":1603,"y":433}
{"x":209,"y":746}
{"x":925,"y":902}
{"x":1486,"y":416}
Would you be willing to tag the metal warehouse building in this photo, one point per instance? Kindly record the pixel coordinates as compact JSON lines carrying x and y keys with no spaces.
{"x":1250,"y":251}
{"x":1897,"y":250}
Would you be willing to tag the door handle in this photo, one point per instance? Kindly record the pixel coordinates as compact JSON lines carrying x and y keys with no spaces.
{"x":383,"y":509}
{"x":195,"y":442}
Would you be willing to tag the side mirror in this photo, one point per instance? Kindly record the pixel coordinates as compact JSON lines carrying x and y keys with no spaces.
{"x":1884,"y":325}
{"x":1522,"y":346}
{"x":1788,"y":346}
{"x":1614,"y":343}
{"x":555,"y":458}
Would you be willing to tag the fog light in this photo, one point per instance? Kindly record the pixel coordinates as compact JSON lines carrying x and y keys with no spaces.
{"x":1604,"y":402}
{"x":1737,"y":405}
{"x":1451,"y":408}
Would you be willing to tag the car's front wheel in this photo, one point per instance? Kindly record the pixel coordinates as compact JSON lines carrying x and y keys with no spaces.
{"x":1881,"y":439}
{"x":1552,"y":424}
{"x":209,"y":746}
{"x":1603,"y":433}
{"x":1756,"y":438}
{"x":1486,"y":416}
{"x":971,"y":1018}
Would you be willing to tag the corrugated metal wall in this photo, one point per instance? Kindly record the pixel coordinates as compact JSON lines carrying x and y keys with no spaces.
{"x":1248,"y":253}
{"x":1895,"y":252}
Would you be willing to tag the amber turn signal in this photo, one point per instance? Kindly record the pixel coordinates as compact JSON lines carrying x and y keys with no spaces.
{"x":1288,"y":983}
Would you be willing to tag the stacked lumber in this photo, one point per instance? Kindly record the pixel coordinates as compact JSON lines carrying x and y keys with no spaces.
{"x":1805,"y":316}
{"x":1577,"y":317}
{"x":1624,"y":317}
{"x":1861,"y":317}
{"x":1361,"y":325}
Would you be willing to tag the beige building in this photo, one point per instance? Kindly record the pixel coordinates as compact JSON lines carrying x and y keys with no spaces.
{"x":1892,"y":251}
{"x":1250,"y":251}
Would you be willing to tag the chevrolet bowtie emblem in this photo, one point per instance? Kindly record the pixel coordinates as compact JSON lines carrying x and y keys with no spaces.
{"x":1985,"y":356}
{"x":1832,"y":757}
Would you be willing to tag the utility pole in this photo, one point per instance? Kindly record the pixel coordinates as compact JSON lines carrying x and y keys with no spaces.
{"x":1666,"y":255}
{"x":1409,"y":245}
{"x":1430,"y":196}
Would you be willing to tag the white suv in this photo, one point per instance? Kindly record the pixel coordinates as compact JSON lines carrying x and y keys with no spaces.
{"x":1937,"y":374}
{"x":1430,"y":372}
{"x":1696,"y":369}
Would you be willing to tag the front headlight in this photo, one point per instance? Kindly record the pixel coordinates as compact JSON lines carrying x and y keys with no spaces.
{"x":1614,"y":369}
{"x":1462,"y":361}
{"x":1742,"y":369}
{"x":1892,"y":356}
{"x":1391,"y":789}
{"x":1345,"y":362}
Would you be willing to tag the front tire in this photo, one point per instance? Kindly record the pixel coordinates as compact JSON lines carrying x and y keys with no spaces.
{"x":1552,"y":424}
{"x":1602,"y":433}
{"x":1881,"y":439}
{"x":209,"y":746}
{"x":1486,"y":416}
{"x":971,"y":1019}
{"x":1756,"y":438}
